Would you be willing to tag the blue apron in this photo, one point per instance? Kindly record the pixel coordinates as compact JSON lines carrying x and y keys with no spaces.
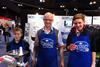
{"x":82,"y":56}
{"x":47,"y":56}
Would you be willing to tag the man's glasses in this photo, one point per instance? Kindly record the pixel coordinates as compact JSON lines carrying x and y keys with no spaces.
{"x":48,"y":19}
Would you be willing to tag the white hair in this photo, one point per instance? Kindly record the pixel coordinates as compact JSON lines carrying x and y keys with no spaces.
{"x":49,"y":14}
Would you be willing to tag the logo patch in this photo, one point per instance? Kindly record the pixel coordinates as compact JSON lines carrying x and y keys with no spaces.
{"x":47,"y":43}
{"x":82,"y":46}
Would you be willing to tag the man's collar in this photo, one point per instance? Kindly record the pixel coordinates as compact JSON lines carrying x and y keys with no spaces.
{"x":50,"y":29}
{"x":47,"y":32}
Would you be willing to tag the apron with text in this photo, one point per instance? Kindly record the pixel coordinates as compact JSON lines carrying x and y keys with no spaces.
{"x":82,"y":56}
{"x":47,"y":56}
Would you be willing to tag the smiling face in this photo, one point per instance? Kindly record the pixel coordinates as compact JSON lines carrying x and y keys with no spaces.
{"x":79,"y":22}
{"x":48,"y":20}
{"x":17,"y":34}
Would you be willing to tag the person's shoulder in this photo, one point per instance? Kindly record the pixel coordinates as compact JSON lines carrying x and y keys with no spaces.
{"x":24,"y":41}
{"x":91,"y":29}
{"x":39,"y":30}
{"x":72,"y":32}
{"x":56,"y":30}
{"x":11,"y":41}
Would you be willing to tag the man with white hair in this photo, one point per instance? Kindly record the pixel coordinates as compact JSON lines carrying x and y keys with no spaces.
{"x":46,"y":42}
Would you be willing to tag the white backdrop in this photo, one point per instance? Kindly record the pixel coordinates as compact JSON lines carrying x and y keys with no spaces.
{"x":96,"y":20}
{"x":62,"y":23}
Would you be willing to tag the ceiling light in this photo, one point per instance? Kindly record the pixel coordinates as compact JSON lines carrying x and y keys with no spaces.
{"x":20,"y":5}
{"x":75,"y":9}
{"x":90,"y":3}
{"x":4,"y":7}
{"x":40,"y":8}
{"x":94,"y":2}
{"x":62,"y":6}
{"x":42,"y":1}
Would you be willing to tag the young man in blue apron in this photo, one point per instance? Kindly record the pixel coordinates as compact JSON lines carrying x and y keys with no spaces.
{"x":46,"y":43}
{"x":80,"y":44}
{"x":18,"y":42}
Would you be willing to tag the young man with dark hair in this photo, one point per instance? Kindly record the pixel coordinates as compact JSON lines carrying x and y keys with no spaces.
{"x":80,"y":43}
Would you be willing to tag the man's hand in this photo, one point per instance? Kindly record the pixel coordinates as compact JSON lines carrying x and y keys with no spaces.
{"x":72,"y":47}
{"x":62,"y":64}
{"x":62,"y":56}
{"x":34,"y":62}
{"x":93,"y":65}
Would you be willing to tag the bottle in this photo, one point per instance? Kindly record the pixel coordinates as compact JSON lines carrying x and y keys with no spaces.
{"x":20,"y":51}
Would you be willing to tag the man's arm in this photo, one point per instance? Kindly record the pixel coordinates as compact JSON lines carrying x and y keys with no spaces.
{"x":61,"y":49}
{"x":93,"y":59}
{"x":61,"y":56}
{"x":36,"y":43}
{"x":93,"y":45}
{"x":69,"y":42}
{"x":35,"y":49}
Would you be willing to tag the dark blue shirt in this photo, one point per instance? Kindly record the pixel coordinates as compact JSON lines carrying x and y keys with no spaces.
{"x":15,"y":46}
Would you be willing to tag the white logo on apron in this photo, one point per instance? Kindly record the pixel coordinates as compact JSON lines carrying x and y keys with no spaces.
{"x":82,"y":46}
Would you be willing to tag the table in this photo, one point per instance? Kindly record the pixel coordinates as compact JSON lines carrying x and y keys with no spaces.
{"x":19,"y":57}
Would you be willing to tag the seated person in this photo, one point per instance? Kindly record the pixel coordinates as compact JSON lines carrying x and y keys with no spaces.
{"x":18,"y":42}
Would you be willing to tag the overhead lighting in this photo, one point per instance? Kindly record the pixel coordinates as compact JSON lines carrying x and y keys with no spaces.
{"x":20,"y":5}
{"x":4,"y":7}
{"x":92,"y":2}
{"x":75,"y":9}
{"x":40,"y":8}
{"x":42,"y":1}
{"x":62,"y":6}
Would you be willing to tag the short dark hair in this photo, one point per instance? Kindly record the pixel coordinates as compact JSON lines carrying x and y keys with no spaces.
{"x":79,"y":16}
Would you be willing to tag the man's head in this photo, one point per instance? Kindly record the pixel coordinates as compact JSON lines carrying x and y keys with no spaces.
{"x":17,"y":34}
{"x":48,"y":19}
{"x":79,"y":21}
